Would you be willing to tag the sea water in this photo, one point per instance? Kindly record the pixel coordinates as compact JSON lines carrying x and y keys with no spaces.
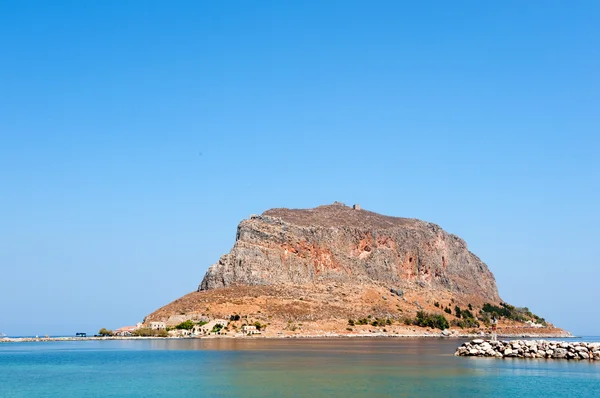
{"x":361,"y":367}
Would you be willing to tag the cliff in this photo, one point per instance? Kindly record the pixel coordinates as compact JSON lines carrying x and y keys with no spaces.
{"x":337,"y":243}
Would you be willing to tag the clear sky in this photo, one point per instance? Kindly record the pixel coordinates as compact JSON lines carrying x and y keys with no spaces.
{"x":135,"y":135}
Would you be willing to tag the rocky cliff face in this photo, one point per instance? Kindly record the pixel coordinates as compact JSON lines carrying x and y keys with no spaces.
{"x":337,"y":243}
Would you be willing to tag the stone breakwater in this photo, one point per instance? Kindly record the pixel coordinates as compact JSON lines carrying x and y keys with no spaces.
{"x":530,"y":349}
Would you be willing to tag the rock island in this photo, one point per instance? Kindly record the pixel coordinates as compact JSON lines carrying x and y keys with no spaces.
{"x":338,"y":270}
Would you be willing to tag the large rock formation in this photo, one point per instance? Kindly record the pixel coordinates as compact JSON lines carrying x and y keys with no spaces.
{"x":340,"y":244}
{"x":336,"y":270}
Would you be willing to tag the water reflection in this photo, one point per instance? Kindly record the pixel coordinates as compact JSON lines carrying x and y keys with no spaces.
{"x":382,"y":367}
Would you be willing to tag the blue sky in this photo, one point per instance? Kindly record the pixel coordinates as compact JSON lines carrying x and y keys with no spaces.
{"x":134,"y":136}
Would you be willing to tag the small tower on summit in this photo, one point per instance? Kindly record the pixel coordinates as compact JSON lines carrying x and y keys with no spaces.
{"x":356,"y":207}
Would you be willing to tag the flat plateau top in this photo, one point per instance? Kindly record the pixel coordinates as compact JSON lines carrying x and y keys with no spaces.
{"x":339,"y":215}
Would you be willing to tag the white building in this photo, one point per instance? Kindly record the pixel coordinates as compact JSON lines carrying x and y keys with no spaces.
{"x":179,"y":333}
{"x":125,"y":331}
{"x":534,"y":325}
{"x":250,"y":329}
{"x":158,"y":326}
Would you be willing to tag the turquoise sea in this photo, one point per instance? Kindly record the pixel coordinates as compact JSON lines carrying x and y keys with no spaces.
{"x":375,"y":367}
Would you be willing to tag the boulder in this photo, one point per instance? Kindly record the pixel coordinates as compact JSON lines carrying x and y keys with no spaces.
{"x":485,"y":346}
{"x":560,"y":353}
{"x":584,"y":355}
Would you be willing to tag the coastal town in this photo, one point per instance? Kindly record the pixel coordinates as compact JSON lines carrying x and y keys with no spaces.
{"x":185,"y":327}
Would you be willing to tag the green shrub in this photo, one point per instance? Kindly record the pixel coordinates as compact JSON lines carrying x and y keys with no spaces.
{"x":465,"y":323}
{"x":448,"y":310}
{"x":105,"y":332}
{"x":380,"y":322}
{"x":435,"y":321}
{"x":510,"y":312}
{"x":350,"y":322}
{"x":436,"y":304}
{"x":485,"y":318}
{"x":185,"y":325}
{"x":457,"y":311}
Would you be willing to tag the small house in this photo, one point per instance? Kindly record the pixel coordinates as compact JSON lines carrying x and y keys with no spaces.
{"x":250,"y":329}
{"x":125,"y":331}
{"x":179,"y":333}
{"x":158,"y":326}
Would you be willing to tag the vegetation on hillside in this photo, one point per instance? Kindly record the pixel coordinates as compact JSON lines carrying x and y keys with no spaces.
{"x":425,"y":319}
{"x":510,"y":312}
{"x":185,"y":325}
{"x":371,"y":321}
{"x":260,"y":326}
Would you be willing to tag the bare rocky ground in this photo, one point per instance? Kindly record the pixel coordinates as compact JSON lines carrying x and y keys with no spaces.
{"x":324,"y":309}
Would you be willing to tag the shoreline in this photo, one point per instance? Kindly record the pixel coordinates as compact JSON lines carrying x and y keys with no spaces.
{"x":280,"y":337}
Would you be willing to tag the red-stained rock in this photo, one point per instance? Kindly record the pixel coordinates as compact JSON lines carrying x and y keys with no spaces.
{"x":336,"y":243}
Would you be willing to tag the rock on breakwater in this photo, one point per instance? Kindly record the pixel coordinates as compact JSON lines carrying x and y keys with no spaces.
{"x":530,"y":349}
